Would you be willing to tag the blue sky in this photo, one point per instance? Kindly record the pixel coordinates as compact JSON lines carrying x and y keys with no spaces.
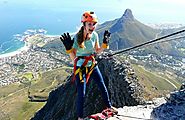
{"x":147,"y":11}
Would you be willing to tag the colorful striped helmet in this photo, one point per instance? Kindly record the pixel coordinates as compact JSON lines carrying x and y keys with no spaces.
{"x":89,"y":17}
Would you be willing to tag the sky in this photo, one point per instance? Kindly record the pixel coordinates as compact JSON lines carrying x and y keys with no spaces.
{"x":146,"y":11}
{"x":58,"y":16}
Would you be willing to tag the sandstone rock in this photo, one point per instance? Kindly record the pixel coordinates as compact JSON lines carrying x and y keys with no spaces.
{"x":173,"y":109}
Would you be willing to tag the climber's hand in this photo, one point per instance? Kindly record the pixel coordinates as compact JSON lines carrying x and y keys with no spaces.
{"x":106,"y":37}
{"x":67,"y":41}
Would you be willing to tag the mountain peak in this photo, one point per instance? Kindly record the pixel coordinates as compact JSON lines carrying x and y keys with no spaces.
{"x":127,"y":17}
{"x":128,"y":14}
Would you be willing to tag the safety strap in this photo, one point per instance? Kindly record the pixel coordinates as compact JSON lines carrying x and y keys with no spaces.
{"x":97,"y":116}
{"x":104,"y":115}
{"x":107,"y":112}
{"x":83,"y":67}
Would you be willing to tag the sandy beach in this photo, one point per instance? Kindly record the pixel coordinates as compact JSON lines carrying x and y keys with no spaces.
{"x":14,"y":53}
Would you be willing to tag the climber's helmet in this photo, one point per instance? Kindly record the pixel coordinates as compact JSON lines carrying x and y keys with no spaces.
{"x":89,"y":17}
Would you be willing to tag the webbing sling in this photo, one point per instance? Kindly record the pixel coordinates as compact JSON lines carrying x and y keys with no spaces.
{"x":83,"y":67}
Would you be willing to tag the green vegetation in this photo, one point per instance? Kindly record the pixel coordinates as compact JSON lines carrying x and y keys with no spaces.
{"x":21,"y":66}
{"x":7,"y":90}
{"x":14,"y":99}
{"x":37,"y":40}
{"x":28,"y":75}
{"x":154,"y":83}
{"x":182,"y":49}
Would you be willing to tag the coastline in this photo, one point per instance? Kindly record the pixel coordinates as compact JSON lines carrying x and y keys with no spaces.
{"x":25,"y":48}
{"x":27,"y":45}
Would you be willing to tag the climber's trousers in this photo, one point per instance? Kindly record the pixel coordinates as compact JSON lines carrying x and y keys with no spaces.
{"x":81,"y":88}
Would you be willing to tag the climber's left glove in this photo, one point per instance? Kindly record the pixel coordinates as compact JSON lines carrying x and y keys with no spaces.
{"x":106,"y":38}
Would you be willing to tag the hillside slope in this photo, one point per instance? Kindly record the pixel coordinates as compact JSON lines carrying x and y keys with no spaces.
{"x":127,"y":31}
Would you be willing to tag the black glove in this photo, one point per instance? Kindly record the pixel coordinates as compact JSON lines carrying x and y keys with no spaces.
{"x":67,"y":41}
{"x":106,"y":37}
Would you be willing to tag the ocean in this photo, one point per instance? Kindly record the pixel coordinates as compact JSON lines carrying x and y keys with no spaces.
{"x":14,"y":22}
{"x":16,"y":17}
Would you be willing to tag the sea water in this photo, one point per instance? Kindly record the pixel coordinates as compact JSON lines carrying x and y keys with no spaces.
{"x":18,"y":16}
{"x":15,"y":21}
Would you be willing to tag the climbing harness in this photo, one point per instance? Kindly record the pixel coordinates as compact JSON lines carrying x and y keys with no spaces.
{"x":88,"y":70}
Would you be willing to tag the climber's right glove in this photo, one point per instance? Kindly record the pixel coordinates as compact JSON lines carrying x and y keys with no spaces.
{"x":67,"y":42}
{"x":106,"y":38}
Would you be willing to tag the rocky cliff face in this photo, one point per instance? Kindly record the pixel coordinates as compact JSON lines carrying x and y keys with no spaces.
{"x":173,"y":109}
{"x":121,"y":83}
{"x":170,"y":108}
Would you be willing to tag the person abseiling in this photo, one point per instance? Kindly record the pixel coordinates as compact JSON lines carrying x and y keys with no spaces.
{"x":81,"y":50}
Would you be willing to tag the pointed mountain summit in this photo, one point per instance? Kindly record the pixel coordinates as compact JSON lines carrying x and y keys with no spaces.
{"x":128,"y":15}
{"x":126,"y":31}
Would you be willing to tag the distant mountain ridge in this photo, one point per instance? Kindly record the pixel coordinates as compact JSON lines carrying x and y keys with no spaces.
{"x":165,"y":25}
{"x":127,"y":31}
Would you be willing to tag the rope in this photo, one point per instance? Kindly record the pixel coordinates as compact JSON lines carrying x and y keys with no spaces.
{"x":145,"y":43}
